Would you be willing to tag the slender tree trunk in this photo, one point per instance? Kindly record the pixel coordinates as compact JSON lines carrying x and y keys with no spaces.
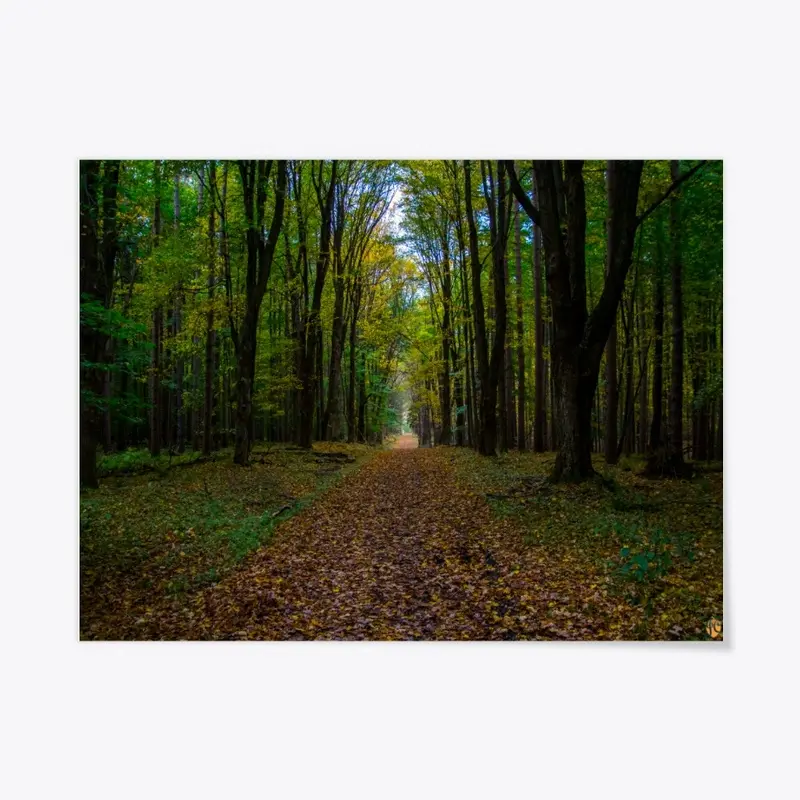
{"x":674,"y":462}
{"x":490,"y":367}
{"x":458,"y":390}
{"x":508,"y":364}
{"x":310,"y":349}
{"x":628,"y":426}
{"x":445,"y":435}
{"x":208,"y":399}
{"x":656,"y":441}
{"x":176,"y":329}
{"x":155,"y":362}
{"x":539,"y":413}
{"x":521,"y":431}
{"x":642,"y":327}
{"x":90,"y":284}
{"x":330,"y":419}
{"x":255,"y":175}
{"x":351,"y":391}
{"x":612,"y":392}
{"x":362,"y":400}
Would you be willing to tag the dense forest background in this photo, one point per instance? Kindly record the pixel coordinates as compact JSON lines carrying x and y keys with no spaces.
{"x":566,"y":306}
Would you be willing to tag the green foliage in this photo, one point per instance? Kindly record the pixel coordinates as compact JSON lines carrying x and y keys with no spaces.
{"x":130,"y":354}
{"x":133,"y":460}
{"x":646,"y":557}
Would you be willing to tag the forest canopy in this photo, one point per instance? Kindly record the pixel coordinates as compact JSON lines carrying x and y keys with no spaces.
{"x":566,"y":306}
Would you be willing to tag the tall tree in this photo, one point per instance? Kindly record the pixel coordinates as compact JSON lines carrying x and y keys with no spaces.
{"x":674,"y":456}
{"x":260,"y":252}
{"x":520,"y":334}
{"x":208,"y":393}
{"x":655,"y":444}
{"x":156,"y":399}
{"x":612,"y":390}
{"x":490,"y":365}
{"x":309,"y":333}
{"x":539,"y":416}
{"x":579,"y":337}
{"x":98,"y":249}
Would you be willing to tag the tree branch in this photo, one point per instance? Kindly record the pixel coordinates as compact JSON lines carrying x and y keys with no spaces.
{"x":522,"y":198}
{"x":675,"y":184}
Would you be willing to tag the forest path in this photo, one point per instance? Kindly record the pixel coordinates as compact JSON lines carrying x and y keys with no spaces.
{"x":408,"y":441}
{"x":398,"y":550}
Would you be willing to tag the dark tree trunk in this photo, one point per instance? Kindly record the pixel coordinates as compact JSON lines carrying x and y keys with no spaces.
{"x":90,"y":288}
{"x":628,"y":425}
{"x":330,"y":419}
{"x":612,"y":390}
{"x":156,"y":400}
{"x":674,"y":457}
{"x":508,"y":364}
{"x":574,"y":393}
{"x":641,"y":328}
{"x":539,"y":415}
{"x":363,"y":399}
{"x":351,"y":390}
{"x":469,"y":360}
{"x":96,"y":284}
{"x":490,"y":367}
{"x":309,"y":340}
{"x":109,"y":253}
{"x":655,"y":448}
{"x":445,"y":435}
{"x":580,"y":337}
{"x":176,"y":329}
{"x":260,"y":253}
{"x":208,"y":394}
{"x":521,"y":432}
{"x":458,"y":391}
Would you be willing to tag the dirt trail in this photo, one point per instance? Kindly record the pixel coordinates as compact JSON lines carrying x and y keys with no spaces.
{"x":407,"y":441}
{"x":397,"y":551}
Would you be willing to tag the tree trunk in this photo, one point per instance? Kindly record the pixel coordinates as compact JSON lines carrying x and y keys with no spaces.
{"x":539,"y":415}
{"x":309,"y":357}
{"x":458,"y":390}
{"x":656,"y":444}
{"x":208,"y":394}
{"x":490,"y":368}
{"x":445,"y":435}
{"x":508,"y":376}
{"x":260,"y":253}
{"x":155,"y":360}
{"x":641,"y":328}
{"x":521,"y":432}
{"x":330,"y":419}
{"x":612,"y":390}
{"x":574,"y":393}
{"x":90,"y":284}
{"x":674,"y":458}
{"x":176,"y":329}
{"x":351,"y":390}
{"x":580,"y":337}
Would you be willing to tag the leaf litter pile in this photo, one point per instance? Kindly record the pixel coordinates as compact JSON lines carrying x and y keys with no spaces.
{"x":410,"y":544}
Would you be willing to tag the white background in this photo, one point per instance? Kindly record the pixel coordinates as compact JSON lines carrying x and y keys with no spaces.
{"x":377,"y":79}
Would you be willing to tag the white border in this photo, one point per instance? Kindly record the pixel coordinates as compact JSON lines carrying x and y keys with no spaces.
{"x":365,"y":79}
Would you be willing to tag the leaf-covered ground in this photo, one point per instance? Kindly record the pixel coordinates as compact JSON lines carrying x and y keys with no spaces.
{"x":411,"y":544}
{"x":151,"y":539}
{"x":654,"y":545}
